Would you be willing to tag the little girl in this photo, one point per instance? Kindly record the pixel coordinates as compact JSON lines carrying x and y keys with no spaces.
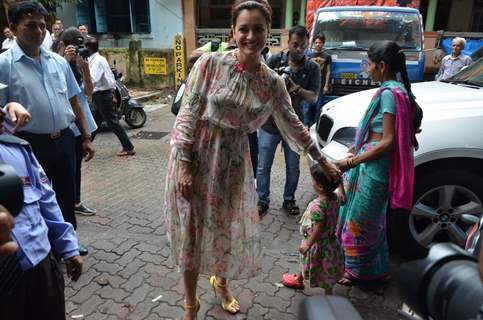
{"x":321,"y":254}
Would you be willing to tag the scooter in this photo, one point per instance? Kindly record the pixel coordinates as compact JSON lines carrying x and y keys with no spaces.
{"x":125,"y":105}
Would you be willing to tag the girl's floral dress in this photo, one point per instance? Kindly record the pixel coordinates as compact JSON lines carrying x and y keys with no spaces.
{"x":323,"y":264}
{"x":216,"y":230}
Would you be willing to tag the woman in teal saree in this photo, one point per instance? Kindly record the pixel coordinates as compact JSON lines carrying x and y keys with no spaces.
{"x":380,"y":170}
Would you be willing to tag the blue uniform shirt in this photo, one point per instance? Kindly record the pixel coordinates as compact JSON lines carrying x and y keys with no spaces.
{"x":40,"y":222}
{"x":44,"y":88}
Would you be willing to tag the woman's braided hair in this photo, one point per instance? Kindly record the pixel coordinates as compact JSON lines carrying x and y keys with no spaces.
{"x":393,"y":55}
{"x":262,"y":5}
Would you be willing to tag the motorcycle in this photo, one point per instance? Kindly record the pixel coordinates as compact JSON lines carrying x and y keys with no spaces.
{"x":124,"y":105}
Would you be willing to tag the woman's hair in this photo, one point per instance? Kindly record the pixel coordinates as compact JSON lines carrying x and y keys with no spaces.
{"x":393,"y":56}
{"x":321,"y":179}
{"x":262,"y":5}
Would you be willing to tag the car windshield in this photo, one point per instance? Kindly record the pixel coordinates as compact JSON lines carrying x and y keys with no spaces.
{"x":473,"y":74}
{"x":358,"y":30}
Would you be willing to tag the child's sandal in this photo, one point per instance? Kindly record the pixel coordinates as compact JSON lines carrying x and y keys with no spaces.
{"x":292,"y":281}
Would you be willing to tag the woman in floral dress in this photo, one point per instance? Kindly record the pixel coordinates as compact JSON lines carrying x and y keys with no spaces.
{"x":211,"y":210}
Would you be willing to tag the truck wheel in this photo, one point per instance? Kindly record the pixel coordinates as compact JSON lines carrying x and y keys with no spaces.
{"x":136,"y":118}
{"x":440,"y":198}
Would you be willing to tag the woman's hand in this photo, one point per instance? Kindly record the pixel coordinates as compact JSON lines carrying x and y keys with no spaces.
{"x":304,"y":248}
{"x":185,"y":179}
{"x":344,"y":164}
{"x":332,"y":172}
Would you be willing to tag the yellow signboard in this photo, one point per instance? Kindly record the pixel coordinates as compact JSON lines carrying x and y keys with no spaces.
{"x":179,"y":64}
{"x":155,"y":66}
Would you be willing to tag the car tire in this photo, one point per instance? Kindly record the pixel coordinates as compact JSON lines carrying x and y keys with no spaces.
{"x":432,"y":219}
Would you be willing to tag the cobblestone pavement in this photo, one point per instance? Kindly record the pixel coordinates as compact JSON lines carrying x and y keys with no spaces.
{"x":128,"y":274}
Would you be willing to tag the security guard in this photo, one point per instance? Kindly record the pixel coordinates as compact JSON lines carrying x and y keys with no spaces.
{"x":35,"y":281}
{"x":44,"y":84}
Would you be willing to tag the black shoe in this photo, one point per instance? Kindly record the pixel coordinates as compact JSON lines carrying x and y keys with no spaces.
{"x":262,"y":208}
{"x":83,"y":250}
{"x":290,"y":208}
{"x":85,"y":211}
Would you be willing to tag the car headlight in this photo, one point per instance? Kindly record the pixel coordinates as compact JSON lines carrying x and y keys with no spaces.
{"x":346,"y":136}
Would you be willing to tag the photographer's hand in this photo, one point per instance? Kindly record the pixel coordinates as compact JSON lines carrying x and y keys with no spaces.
{"x":292,"y":87}
{"x":7,"y":222}
{"x":70,"y":53}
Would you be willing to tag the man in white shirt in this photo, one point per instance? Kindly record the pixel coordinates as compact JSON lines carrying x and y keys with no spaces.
{"x":57,"y":29}
{"x":9,"y":39}
{"x":47,"y":43}
{"x":102,"y":98}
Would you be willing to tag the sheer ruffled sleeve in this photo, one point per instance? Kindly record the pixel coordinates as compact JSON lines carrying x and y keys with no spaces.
{"x":192,"y":104}
{"x":291,"y":128}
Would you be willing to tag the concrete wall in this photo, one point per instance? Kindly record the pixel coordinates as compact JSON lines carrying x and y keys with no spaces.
{"x":130,"y":61}
{"x":166,"y":22}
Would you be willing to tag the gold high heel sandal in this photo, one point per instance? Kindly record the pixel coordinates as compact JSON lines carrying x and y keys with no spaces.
{"x":229,"y":306}
{"x":196,"y":306}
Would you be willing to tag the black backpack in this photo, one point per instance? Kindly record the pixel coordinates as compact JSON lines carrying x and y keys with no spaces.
{"x":176,"y":104}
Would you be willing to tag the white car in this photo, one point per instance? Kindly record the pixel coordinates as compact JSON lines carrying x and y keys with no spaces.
{"x":448,"y":163}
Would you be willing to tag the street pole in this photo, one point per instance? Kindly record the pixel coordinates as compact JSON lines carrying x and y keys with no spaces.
{"x":303,"y":9}
{"x":431,"y":15}
{"x":288,"y":14}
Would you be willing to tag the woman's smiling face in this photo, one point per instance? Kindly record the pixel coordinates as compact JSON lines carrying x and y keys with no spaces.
{"x":250,"y":32}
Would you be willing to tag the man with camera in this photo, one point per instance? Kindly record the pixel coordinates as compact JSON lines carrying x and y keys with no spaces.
{"x":31,"y":281}
{"x":102,"y":98}
{"x":302,"y":77}
{"x":44,"y":84}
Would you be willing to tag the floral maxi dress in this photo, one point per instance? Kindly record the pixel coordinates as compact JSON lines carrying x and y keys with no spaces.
{"x":323,"y":264}
{"x":216,"y":230}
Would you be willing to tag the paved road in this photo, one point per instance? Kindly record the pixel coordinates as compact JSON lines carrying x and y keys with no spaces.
{"x":128,"y":265}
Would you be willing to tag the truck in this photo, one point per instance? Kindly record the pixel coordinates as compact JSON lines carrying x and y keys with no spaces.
{"x":350,"y":30}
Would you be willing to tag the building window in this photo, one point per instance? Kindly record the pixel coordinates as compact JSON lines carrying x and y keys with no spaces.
{"x":114,"y":16}
{"x":477,"y":21}
{"x":217,"y":13}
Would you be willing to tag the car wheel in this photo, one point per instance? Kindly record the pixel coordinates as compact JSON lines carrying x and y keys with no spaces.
{"x":440,"y":198}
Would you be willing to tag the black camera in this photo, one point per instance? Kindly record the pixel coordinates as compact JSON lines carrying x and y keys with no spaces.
{"x":285,"y":72}
{"x":11,"y":189}
{"x":443,"y":286}
{"x":80,"y":49}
